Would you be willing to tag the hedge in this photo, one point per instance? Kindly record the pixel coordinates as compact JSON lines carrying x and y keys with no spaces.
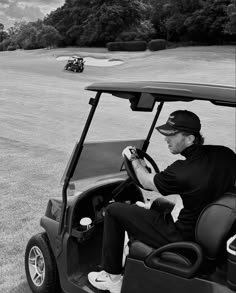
{"x":127,"y":46}
{"x":11,"y":48}
{"x":4,"y":44}
{"x":158,"y":44}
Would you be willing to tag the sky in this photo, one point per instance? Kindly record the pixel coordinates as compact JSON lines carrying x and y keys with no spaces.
{"x":12,"y":11}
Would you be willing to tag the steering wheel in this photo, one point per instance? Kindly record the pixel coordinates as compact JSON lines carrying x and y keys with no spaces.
{"x":130,"y":170}
{"x":132,"y":176}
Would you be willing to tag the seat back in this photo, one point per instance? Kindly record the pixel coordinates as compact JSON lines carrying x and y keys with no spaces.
{"x":215,"y":224}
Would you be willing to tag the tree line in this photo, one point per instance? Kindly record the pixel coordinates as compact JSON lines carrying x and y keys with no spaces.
{"x":97,"y":22}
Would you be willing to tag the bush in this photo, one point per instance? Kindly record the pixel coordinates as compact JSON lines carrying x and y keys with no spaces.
{"x":158,"y":44}
{"x":4,"y":44}
{"x":11,"y":48}
{"x":127,"y":46}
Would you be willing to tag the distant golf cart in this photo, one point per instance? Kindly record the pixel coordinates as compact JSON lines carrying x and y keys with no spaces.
{"x":70,"y":246}
{"x":75,"y":64}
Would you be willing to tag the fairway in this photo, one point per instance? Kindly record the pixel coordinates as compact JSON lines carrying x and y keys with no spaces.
{"x":42,"y":112}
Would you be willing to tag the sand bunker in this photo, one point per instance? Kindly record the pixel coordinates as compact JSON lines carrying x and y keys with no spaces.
{"x":95,"y":61}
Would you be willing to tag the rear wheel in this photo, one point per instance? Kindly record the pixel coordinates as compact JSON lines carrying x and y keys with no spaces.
{"x":40,"y":265}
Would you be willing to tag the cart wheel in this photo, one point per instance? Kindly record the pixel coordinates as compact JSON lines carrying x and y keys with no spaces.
{"x":40,"y":266}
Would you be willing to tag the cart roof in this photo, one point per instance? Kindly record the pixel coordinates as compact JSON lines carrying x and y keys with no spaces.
{"x":76,"y":57}
{"x":170,"y":91}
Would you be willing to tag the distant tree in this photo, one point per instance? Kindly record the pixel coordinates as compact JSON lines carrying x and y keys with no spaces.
{"x":169,"y":17}
{"x":62,"y":21}
{"x":27,"y":37}
{"x":33,"y":35}
{"x":14,"y":30}
{"x":4,"y":44}
{"x":110,"y":19}
{"x":142,"y":31}
{"x":48,"y":36}
{"x":174,"y":26}
{"x":208,"y":23}
{"x":231,"y":25}
{"x":2,"y":33}
{"x":97,"y":22}
{"x":142,"y":28}
{"x":73,"y":34}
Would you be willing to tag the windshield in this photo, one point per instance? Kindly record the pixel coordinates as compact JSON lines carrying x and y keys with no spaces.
{"x":114,"y":126}
{"x":101,"y":158}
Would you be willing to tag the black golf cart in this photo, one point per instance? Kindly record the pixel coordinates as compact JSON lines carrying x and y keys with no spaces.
{"x":60,"y":258}
{"x":75,"y":63}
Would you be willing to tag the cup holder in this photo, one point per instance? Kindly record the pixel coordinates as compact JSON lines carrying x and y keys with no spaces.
{"x":84,"y":231}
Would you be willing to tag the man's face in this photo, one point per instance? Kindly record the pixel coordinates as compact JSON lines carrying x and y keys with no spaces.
{"x":177,"y":143}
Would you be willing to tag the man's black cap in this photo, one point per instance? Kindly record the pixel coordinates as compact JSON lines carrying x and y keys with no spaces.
{"x":181,"y":120}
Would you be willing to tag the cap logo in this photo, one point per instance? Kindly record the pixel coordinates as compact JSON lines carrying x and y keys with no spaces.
{"x":171,"y":122}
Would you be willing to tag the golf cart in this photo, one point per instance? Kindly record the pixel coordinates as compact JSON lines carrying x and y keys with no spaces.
{"x":75,"y":64}
{"x":61,"y":257}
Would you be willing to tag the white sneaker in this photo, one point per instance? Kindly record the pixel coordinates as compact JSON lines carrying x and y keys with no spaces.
{"x":102,"y":281}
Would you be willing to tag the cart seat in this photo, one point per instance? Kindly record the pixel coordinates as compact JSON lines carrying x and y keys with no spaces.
{"x":215,"y":225}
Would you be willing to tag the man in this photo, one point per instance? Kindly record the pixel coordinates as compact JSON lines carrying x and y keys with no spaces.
{"x":206,"y":173}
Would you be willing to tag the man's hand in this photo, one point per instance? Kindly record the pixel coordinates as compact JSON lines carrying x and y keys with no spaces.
{"x":130,"y":153}
{"x":145,"y":205}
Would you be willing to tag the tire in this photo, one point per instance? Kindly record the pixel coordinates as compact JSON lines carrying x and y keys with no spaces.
{"x":40,"y":265}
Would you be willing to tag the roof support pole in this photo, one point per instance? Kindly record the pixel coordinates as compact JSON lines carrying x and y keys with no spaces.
{"x":147,"y":140}
{"x":71,"y":168}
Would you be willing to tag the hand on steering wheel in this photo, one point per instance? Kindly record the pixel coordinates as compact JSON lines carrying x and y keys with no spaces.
{"x":130,"y":153}
{"x":133,"y":153}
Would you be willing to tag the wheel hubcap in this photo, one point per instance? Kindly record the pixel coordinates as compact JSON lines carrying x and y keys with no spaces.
{"x":36,"y":266}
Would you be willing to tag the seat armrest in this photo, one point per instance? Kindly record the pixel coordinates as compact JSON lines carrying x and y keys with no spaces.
{"x":139,"y":250}
{"x":174,"y":258}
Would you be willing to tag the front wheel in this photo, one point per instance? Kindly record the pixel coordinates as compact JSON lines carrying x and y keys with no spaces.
{"x":40,"y":265}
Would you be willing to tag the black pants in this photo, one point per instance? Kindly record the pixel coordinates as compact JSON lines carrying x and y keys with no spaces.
{"x":148,"y":226}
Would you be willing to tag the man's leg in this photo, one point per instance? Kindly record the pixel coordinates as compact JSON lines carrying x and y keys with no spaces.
{"x":147,"y":226}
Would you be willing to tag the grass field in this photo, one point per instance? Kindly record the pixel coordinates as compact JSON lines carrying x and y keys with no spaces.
{"x":43,"y":110}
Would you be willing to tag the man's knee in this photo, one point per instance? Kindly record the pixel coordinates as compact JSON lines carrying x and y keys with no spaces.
{"x":114,"y":209}
{"x":123,"y":211}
